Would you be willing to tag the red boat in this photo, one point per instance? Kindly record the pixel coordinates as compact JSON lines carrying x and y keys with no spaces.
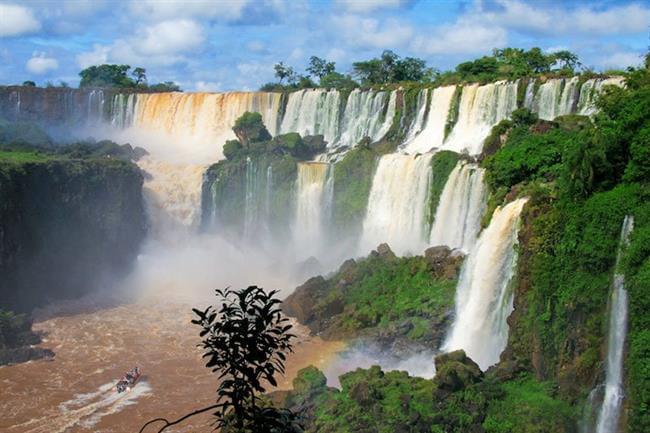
{"x":128,"y":380}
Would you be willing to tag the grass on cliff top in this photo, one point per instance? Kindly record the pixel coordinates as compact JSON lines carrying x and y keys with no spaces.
{"x":26,"y":156}
{"x":389,"y":291}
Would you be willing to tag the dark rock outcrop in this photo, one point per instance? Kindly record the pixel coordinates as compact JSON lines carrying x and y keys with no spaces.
{"x":17,"y":340}
{"x":66,"y":227}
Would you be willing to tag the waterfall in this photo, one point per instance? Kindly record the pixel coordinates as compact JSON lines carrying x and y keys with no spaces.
{"x":484,"y":299}
{"x":556,"y":97}
{"x":433,"y":133}
{"x":363,"y":116}
{"x":611,"y":407}
{"x":202,"y":122}
{"x":590,"y":90}
{"x":397,"y":204}
{"x":530,"y":95}
{"x":173,"y":194}
{"x":417,"y":124}
{"x":314,"y":196}
{"x":481,"y":107}
{"x":458,"y":217}
{"x":311,"y":112}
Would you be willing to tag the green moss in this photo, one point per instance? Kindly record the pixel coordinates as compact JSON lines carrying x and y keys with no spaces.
{"x":528,"y":406}
{"x":442,"y":164}
{"x":454,"y":109}
{"x":21,"y":157}
{"x":352,"y":179}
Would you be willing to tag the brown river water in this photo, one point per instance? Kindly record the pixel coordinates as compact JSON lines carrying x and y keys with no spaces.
{"x":94,"y":347}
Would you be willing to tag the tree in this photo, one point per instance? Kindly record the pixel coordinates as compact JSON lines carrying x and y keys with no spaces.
{"x":283,"y":71}
{"x":320,"y":67}
{"x":106,"y":76}
{"x":29,"y":83}
{"x":167,"y":86}
{"x":335,"y":80}
{"x":390,"y":68}
{"x":246,"y":342}
{"x":538,"y":61}
{"x":140,"y":75}
{"x":566,"y":59}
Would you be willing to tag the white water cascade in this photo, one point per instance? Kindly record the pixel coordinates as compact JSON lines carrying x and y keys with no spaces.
{"x":484,"y":299}
{"x":363,"y":116}
{"x":590,"y":90}
{"x":610,"y":410}
{"x":481,"y":107}
{"x":418,"y":122}
{"x":433,"y":134}
{"x":462,"y":202}
{"x":311,"y":112}
{"x":397,"y":204}
{"x":314,"y":196}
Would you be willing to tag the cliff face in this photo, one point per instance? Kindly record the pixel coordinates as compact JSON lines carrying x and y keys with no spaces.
{"x":65,"y":226}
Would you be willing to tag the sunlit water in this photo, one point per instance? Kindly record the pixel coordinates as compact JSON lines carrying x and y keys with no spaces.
{"x":94,"y":347}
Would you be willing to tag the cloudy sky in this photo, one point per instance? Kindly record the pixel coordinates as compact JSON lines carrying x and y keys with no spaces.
{"x":215,"y":45}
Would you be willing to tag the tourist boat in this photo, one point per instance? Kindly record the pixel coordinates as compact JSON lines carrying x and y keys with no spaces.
{"x":128,"y":381}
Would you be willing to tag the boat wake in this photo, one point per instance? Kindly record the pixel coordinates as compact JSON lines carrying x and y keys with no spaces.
{"x":85,"y":410}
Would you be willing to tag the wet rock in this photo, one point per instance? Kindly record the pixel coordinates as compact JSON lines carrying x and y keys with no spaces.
{"x":444,"y":262}
{"x":302,"y":302}
{"x":455,"y":371}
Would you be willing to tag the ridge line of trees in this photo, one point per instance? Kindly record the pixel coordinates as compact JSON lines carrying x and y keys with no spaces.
{"x":389,"y":68}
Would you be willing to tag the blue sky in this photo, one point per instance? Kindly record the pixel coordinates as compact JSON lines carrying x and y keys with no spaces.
{"x":217,"y":45}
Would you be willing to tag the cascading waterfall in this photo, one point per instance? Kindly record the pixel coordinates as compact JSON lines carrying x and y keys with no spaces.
{"x":610,"y":410}
{"x":418,"y":122}
{"x":458,"y":217}
{"x":481,"y":107}
{"x":433,"y":133}
{"x":314,"y":196}
{"x":397,"y":202}
{"x":556,"y":97}
{"x":311,"y":112}
{"x":589,"y":91}
{"x":484,"y":299}
{"x":363,"y":116}
{"x":201,"y":121}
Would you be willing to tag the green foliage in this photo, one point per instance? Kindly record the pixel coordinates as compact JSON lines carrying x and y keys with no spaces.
{"x":106,"y":76}
{"x":29,"y":83}
{"x":335,"y":80}
{"x":528,"y":406}
{"x":247,"y":347}
{"x":118,"y":76}
{"x":320,"y":67}
{"x":526,"y":157}
{"x":231,"y":149}
{"x":390,"y":68}
{"x":442,"y":164}
{"x":249,"y":128}
{"x":352,"y":180}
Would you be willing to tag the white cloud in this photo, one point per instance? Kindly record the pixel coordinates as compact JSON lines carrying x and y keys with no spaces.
{"x":172,"y":9}
{"x":17,"y":20}
{"x":207,"y":86}
{"x":257,"y":47}
{"x":463,"y":37}
{"x":366,"y":6}
{"x":621,"y":60}
{"x":40,"y":64}
{"x":517,"y":15}
{"x":98,"y":56}
{"x":161,"y":44}
{"x":370,"y":32}
{"x":169,"y":37}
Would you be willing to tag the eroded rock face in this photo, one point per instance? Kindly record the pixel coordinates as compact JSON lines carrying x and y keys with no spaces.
{"x":17,"y":339}
{"x":65,"y":226}
{"x":444,"y":262}
{"x":455,"y":371}
{"x":355,"y":303}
